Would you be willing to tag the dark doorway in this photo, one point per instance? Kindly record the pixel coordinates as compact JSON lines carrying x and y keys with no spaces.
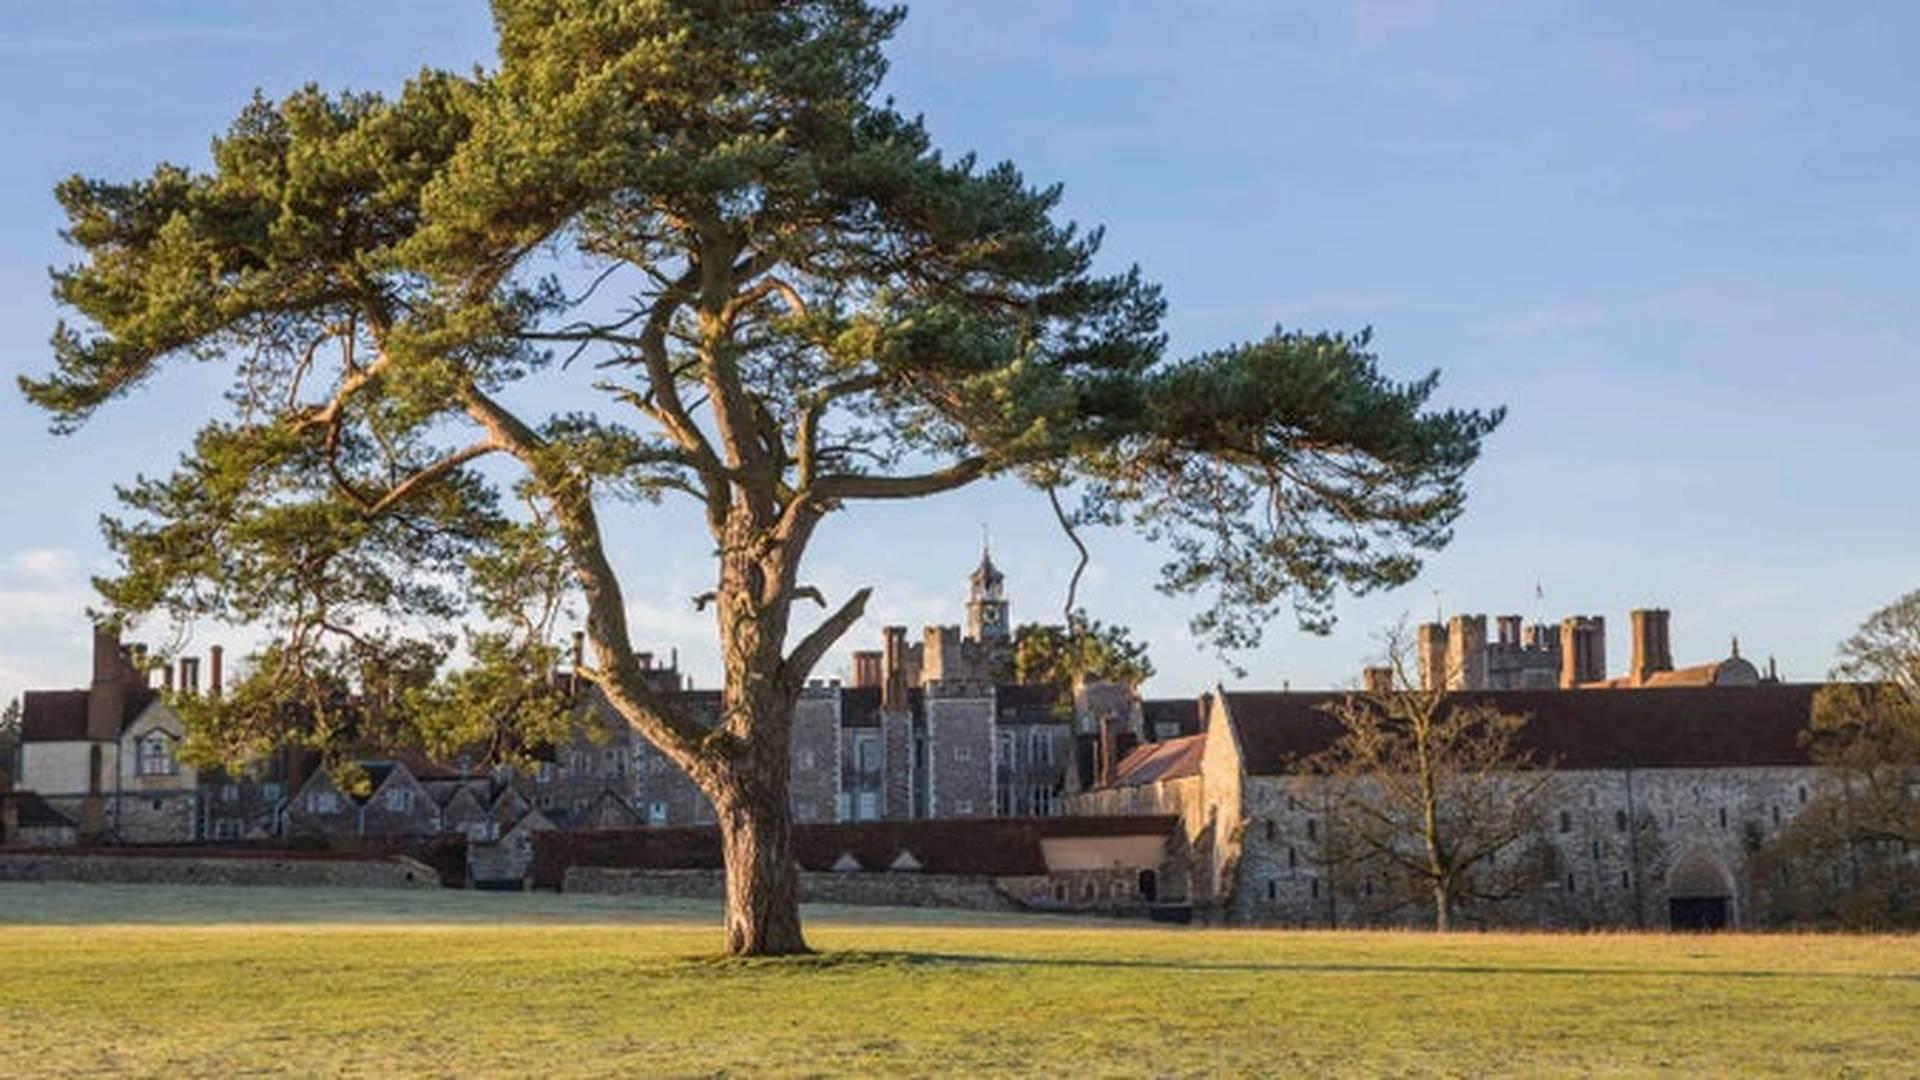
{"x":1697,"y":913}
{"x":1149,"y":886}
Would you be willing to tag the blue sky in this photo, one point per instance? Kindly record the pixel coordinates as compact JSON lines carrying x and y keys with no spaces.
{"x":1677,"y":240}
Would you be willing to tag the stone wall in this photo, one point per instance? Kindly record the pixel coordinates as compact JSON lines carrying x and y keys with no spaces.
{"x":394,"y":872}
{"x":960,"y":747}
{"x":1610,"y":849}
{"x":896,"y":732}
{"x":816,"y":774}
{"x":966,"y":892}
{"x":157,"y":817}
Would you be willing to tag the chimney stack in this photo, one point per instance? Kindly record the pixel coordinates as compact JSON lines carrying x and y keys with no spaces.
{"x":1583,"y":650}
{"x":1652,"y":643}
{"x":106,"y":697}
{"x":1104,"y":776}
{"x":190,"y":675}
{"x":1510,"y":631}
{"x":1376,"y":680}
{"x":866,"y":668}
{"x":893,"y":674}
{"x":215,"y":654}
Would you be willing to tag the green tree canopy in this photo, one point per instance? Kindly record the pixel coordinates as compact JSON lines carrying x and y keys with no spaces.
{"x":677,"y":249}
{"x":1083,"y":650}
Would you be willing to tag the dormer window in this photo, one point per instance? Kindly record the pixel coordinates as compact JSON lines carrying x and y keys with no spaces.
{"x":155,"y":756}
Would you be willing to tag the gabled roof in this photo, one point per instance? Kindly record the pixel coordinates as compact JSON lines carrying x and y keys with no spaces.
{"x":1672,"y":727}
{"x":61,"y":715}
{"x":1151,"y":762}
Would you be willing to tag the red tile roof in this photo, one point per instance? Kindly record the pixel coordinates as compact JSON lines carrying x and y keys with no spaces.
{"x":1672,"y":727}
{"x":1155,"y":761}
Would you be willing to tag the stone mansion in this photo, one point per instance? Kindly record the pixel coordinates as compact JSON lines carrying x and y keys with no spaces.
{"x":1669,"y":779}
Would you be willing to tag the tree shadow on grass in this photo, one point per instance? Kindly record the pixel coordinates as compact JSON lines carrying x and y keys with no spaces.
{"x":853,"y":961}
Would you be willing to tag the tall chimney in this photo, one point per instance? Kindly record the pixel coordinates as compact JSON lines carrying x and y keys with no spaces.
{"x":189,"y":674}
{"x":893,"y":675}
{"x":166,"y":678}
{"x":1377,"y":680}
{"x":866,"y":667}
{"x":214,"y":655}
{"x":1510,"y":631}
{"x":1583,"y":650}
{"x":1652,"y":644}
{"x":106,"y":697}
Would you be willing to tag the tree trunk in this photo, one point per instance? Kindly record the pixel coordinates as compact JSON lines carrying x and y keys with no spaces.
{"x":1442,"y":907}
{"x":763,"y":881}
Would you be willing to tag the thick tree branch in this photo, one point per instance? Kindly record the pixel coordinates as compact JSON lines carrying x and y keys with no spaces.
{"x":618,"y":672}
{"x":856,"y":486}
{"x":799,"y":663}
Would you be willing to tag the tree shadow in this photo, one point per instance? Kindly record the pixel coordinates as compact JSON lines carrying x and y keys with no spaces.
{"x":857,"y":960}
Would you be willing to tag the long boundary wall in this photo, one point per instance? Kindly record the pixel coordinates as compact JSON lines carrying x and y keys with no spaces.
{"x":396,"y":872}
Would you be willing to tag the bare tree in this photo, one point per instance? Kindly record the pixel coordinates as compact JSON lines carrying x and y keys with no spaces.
{"x":1433,"y":788}
{"x":1849,"y":857}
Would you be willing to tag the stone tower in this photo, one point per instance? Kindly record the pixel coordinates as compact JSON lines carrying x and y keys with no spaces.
{"x":987,"y":602}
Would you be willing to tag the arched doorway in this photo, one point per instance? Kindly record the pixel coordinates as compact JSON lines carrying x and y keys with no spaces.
{"x":1699,"y":894}
{"x":1149,"y":885}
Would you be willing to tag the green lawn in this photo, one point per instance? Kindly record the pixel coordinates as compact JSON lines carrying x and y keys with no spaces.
{"x":105,"y":979}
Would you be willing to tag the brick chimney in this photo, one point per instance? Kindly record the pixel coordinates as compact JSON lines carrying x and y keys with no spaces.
{"x":1583,"y":650}
{"x":215,"y":654}
{"x":107,"y":695}
{"x":866,"y":668}
{"x":1652,"y":643}
{"x":190,"y":675}
{"x":1376,"y":680}
{"x":893,"y":674}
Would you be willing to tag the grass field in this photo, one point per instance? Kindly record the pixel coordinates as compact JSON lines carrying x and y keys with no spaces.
{"x":147,"y":980}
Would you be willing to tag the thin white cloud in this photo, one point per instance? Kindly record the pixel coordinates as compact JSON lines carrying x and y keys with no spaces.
{"x":44,"y":564}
